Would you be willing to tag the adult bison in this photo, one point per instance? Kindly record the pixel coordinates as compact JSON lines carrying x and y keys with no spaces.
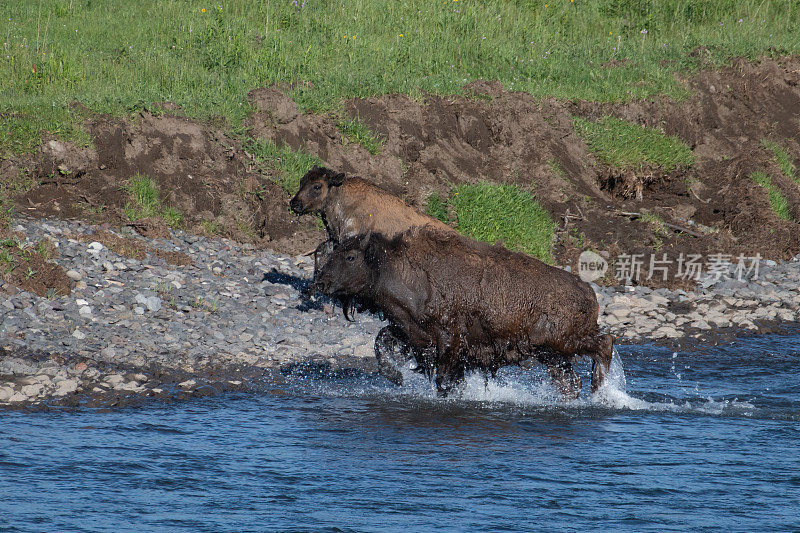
{"x":461,"y":305}
{"x":353,"y":206}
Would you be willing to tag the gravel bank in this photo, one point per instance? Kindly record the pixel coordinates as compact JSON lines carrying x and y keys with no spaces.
{"x":134,"y":328}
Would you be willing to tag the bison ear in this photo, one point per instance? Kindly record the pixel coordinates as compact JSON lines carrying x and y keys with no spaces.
{"x":335,"y":179}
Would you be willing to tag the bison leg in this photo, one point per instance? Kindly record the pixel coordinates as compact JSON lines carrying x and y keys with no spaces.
{"x":601,"y":352}
{"x":447,"y":378}
{"x":391,"y":353}
{"x":562,"y":375}
{"x":449,"y":367}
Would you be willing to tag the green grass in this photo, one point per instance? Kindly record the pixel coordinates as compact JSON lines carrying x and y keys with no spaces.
{"x":778,"y":202}
{"x":212,"y":227}
{"x":437,"y":208}
{"x":172,"y":217}
{"x":783,"y":159}
{"x":291,"y":165}
{"x":555,"y":169}
{"x":625,"y":145}
{"x":118,"y":57}
{"x":145,"y":202}
{"x":655,"y":222}
{"x":494,"y":213}
{"x":358,"y":132}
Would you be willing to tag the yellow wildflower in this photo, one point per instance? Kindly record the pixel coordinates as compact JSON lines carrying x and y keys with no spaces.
{"x":203,"y":10}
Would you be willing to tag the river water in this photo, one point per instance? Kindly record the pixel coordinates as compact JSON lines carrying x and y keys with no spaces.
{"x":705,"y":440}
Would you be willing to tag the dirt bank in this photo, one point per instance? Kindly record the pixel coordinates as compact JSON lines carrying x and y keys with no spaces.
{"x":429,"y":146}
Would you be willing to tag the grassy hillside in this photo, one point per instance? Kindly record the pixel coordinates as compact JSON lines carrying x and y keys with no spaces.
{"x":120,"y":57}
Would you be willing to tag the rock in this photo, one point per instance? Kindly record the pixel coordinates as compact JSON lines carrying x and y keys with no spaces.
{"x":31,"y":391}
{"x":618,"y":310}
{"x":657,"y":299}
{"x":74,"y":275}
{"x":188,"y":383}
{"x":6,"y":393}
{"x":153,"y":304}
{"x":78,"y":334}
{"x":66,"y":386}
{"x":95,"y":247}
{"x":128,"y":386}
{"x":719,"y":321}
{"x":108,"y":352}
{"x":113,"y":379}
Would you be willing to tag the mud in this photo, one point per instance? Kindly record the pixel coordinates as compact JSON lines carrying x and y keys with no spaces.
{"x":488,"y":134}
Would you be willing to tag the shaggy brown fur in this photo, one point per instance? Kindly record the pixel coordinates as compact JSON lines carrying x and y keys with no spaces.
{"x":353,"y":206}
{"x":477,"y":305}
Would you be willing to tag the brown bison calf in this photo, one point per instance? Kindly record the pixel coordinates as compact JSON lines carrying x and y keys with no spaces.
{"x":471,"y":305}
{"x":353,"y":206}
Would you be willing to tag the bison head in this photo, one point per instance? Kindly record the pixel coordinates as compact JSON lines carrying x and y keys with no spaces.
{"x":314,"y":188}
{"x":347,"y":271}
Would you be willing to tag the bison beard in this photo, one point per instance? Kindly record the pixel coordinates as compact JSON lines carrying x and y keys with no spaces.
{"x":457,"y":305}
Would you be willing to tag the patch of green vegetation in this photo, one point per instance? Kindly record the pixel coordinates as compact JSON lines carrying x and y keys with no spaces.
{"x":437,"y":208}
{"x":358,"y":132}
{"x":145,"y":202}
{"x":172,"y":217}
{"x":116,"y":56}
{"x":246,"y":228}
{"x":783,"y":159}
{"x":22,"y":127}
{"x":492,"y":213}
{"x":6,"y":260}
{"x":201,"y":304}
{"x":212,"y":227}
{"x":622,"y":144}
{"x":291,"y":165}
{"x":556,"y":169}
{"x":778,"y":202}
{"x":577,"y":237}
{"x":656,"y":222}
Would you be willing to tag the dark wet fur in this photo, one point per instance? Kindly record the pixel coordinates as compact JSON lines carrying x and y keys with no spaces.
{"x":479,"y":306}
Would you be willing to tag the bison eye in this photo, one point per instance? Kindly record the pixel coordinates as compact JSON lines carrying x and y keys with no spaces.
{"x":351,"y":258}
{"x":317,"y":187}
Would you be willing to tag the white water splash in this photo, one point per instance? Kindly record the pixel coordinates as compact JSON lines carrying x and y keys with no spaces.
{"x":532,"y":388}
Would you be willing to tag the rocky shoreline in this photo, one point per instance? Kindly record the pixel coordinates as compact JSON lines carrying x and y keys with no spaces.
{"x":196,"y":316}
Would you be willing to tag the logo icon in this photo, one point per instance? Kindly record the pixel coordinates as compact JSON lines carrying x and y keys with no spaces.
{"x":591,"y":266}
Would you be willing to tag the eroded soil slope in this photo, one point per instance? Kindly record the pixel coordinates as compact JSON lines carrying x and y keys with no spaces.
{"x":491,"y":134}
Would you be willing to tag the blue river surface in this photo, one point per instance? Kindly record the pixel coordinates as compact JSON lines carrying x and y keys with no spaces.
{"x":705,"y":439}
